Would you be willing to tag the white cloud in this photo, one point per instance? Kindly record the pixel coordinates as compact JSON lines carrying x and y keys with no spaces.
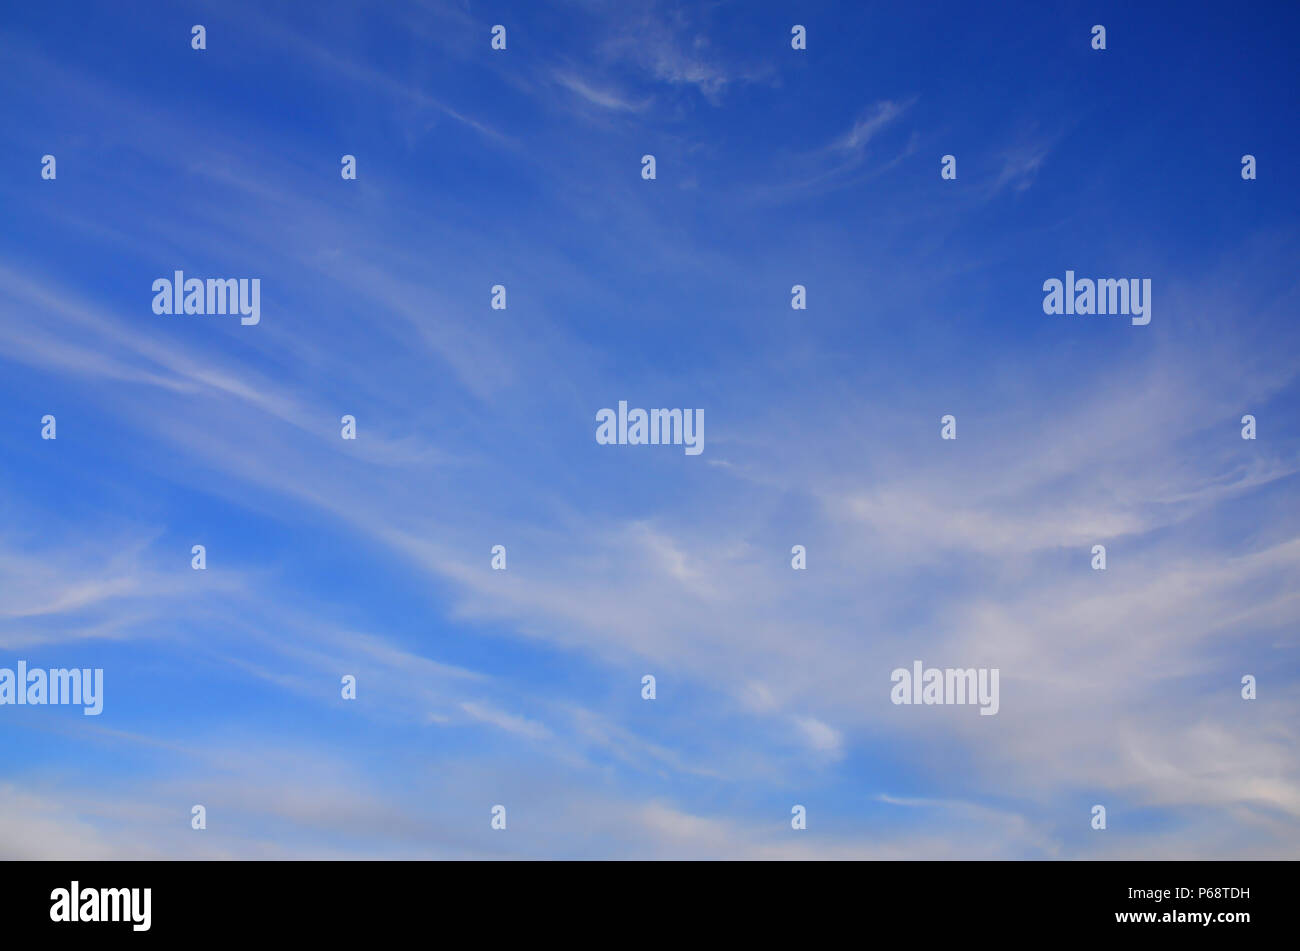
{"x":821,"y":737}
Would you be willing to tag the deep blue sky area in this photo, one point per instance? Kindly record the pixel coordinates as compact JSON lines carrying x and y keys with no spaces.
{"x":476,"y":427}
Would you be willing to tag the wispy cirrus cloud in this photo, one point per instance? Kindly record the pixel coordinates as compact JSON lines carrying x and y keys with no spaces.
{"x":598,"y":96}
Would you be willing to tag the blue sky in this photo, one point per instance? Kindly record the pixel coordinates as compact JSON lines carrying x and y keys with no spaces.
{"x":476,"y":428}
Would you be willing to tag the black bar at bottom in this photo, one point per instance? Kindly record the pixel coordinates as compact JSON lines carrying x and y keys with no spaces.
{"x":648,"y":901}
